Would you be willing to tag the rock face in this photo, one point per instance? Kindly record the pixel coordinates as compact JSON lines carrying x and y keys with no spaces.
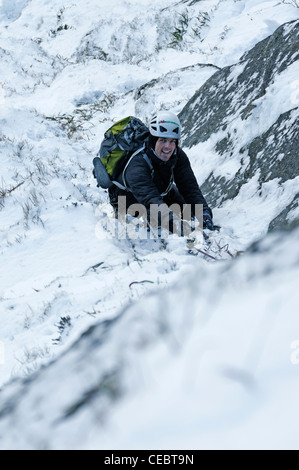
{"x":235,"y":109}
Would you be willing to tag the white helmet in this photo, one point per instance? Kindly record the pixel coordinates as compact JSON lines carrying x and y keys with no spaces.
{"x":165,"y":124}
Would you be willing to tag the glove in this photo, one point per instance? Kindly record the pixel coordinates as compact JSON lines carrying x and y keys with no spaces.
{"x":208,"y":221}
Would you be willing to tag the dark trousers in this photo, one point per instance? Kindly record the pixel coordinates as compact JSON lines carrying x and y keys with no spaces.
{"x":173,"y":197}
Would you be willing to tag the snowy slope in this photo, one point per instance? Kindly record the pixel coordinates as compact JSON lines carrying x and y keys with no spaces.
{"x":69,"y":69}
{"x":209,"y":365}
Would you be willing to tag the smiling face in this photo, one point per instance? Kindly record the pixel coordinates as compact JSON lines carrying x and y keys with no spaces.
{"x":164,"y":148}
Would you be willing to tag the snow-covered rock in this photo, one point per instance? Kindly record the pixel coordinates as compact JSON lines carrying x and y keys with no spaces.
{"x":205,"y":364}
{"x":249,"y":113}
{"x":131,"y":343}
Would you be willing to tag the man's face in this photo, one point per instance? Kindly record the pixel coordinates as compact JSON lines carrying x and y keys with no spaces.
{"x":164,"y":148}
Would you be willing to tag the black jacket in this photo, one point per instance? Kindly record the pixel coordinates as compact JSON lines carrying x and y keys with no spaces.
{"x":146,"y":186}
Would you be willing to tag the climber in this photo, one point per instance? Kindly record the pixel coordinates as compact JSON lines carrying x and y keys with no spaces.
{"x":163,"y":178}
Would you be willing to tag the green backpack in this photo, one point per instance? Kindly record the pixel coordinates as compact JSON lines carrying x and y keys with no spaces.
{"x":125,"y":139}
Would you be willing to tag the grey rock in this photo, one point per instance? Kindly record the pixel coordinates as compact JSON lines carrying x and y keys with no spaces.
{"x":229,"y":98}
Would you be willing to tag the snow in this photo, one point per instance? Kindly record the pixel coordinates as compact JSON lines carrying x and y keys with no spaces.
{"x":226,"y":376}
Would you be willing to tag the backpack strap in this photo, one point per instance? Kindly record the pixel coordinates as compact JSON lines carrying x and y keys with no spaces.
{"x":170,"y":184}
{"x":125,"y":187}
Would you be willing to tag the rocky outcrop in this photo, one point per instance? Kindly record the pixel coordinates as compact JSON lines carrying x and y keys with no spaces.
{"x":250,"y":112}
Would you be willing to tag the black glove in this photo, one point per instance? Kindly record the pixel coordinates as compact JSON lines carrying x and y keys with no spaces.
{"x":208,"y":221}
